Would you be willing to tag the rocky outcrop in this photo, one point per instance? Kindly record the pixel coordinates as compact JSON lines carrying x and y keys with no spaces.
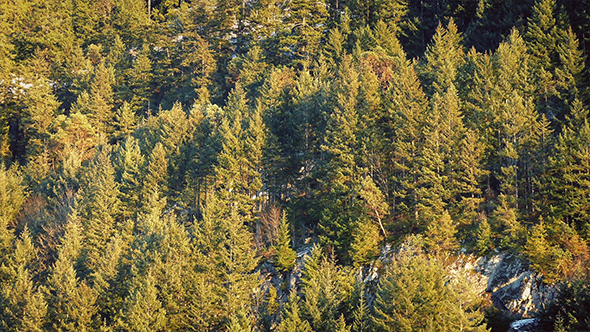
{"x":512,"y":286}
{"x":524,"y":325}
{"x":505,"y":279}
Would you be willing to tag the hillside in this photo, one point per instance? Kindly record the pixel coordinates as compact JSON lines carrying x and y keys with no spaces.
{"x":162,"y":164}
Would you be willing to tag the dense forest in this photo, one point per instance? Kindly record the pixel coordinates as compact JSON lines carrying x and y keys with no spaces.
{"x":155,"y":157}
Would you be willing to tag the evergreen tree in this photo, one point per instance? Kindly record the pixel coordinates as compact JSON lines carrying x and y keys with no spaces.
{"x":569,"y":170}
{"x":140,"y":81}
{"x":570,"y":73}
{"x":444,"y":58}
{"x":228,"y":259}
{"x":471,"y":174}
{"x":285,"y":256}
{"x":71,"y":301}
{"x":291,"y":320}
{"x":12,"y":198}
{"x":413,"y":296}
{"x":327,"y":289}
{"x":440,"y":235}
{"x":156,"y":180}
{"x":26,"y":308}
{"x":302,"y":33}
{"x":40,"y":110}
{"x":130,"y":164}
{"x":97,"y":103}
{"x":238,"y":172}
{"x":543,"y":39}
{"x":99,"y":206}
{"x":143,"y":310}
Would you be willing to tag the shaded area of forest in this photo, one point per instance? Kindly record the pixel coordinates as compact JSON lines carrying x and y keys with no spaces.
{"x":154,"y":155}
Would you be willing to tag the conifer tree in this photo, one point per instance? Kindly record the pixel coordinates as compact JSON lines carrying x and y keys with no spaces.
{"x":444,"y":58}
{"x":26,"y":307}
{"x":471,"y":173}
{"x":484,"y":242}
{"x":97,"y":103}
{"x":249,"y":71}
{"x":40,"y":110}
{"x":327,"y":288}
{"x":413,"y":296}
{"x":228,"y":259}
{"x":406,"y":111}
{"x":365,"y":242}
{"x":12,"y":198}
{"x":156,"y":180}
{"x":440,"y":235}
{"x":285,"y":256}
{"x":130,"y":164}
{"x":543,"y":39}
{"x":99,"y":205}
{"x":570,"y":73}
{"x":140,"y":81}
{"x":569,"y":171}
{"x":443,"y":132}
{"x":125,"y":121}
{"x":143,"y":310}
{"x":341,"y":209}
{"x":238,"y":172}
{"x":291,"y":319}
{"x":71,"y":301}
{"x":302,"y":34}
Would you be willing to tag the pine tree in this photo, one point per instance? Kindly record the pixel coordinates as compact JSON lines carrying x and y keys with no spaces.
{"x":71,"y":301}
{"x":327,"y":288}
{"x":413,"y":296}
{"x":438,"y":182}
{"x":365,"y":242}
{"x":26,"y":308}
{"x":406,"y":111}
{"x":249,"y":71}
{"x":40,"y":110}
{"x":543,"y":38}
{"x":285,"y":256}
{"x":302,"y":34}
{"x":471,"y":174}
{"x":140,"y":81}
{"x":228,"y":259}
{"x":291,"y":320}
{"x":143,"y":310}
{"x":156,"y":180}
{"x":444,"y":58}
{"x":440,"y":235}
{"x":99,"y":205}
{"x":568,"y":171}
{"x":570,"y":73}
{"x":12,"y":198}
{"x":97,"y":103}
{"x":484,"y":244}
{"x":341,"y":180}
{"x":238,"y":172}
{"x":537,"y":249}
{"x":125,"y":121}
{"x":130,"y":164}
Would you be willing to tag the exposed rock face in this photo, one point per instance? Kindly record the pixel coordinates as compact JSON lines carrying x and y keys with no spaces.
{"x":513,"y":287}
{"x":504,"y":278}
{"x":524,"y":325}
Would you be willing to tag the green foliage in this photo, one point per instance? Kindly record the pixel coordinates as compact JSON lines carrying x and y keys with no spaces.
{"x":326,"y":288}
{"x":414,"y":296}
{"x":285,"y":255}
{"x":569,"y":310}
{"x":291,"y":317}
{"x":142,"y":142}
